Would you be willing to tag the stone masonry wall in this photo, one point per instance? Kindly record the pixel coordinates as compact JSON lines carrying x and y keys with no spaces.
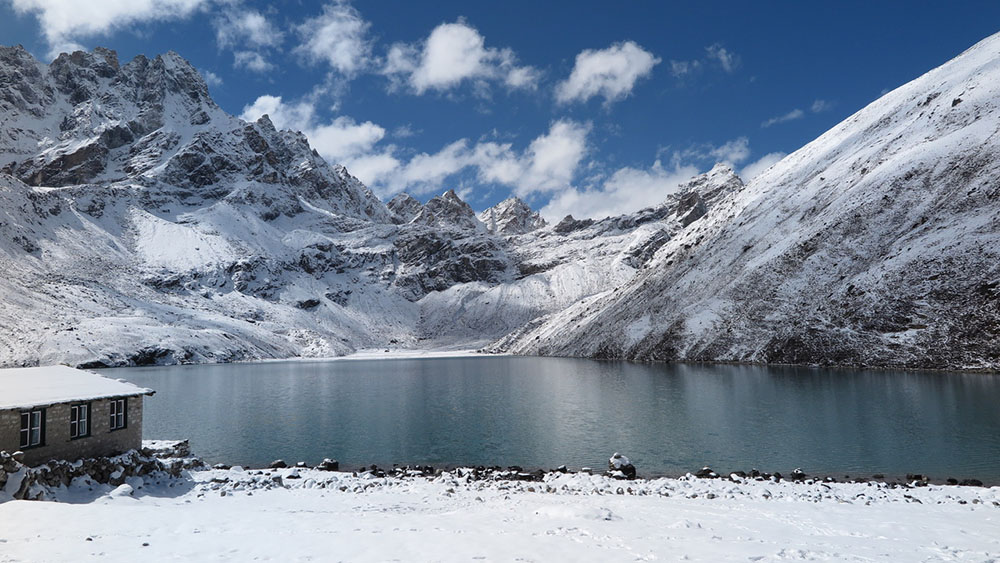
{"x":58,"y":445}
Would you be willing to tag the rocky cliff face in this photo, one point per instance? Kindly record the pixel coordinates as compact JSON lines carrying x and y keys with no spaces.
{"x":511,"y":216}
{"x":876,"y":244}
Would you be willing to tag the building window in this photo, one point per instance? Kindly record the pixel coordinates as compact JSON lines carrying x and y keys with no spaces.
{"x":118,"y":414}
{"x":79,"y":421}
{"x":32,"y":428}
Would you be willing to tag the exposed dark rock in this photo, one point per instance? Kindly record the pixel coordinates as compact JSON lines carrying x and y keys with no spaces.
{"x":307,"y":304}
{"x":569,"y":224}
{"x":706,"y":473}
{"x":404,"y":208}
{"x":328,"y":465}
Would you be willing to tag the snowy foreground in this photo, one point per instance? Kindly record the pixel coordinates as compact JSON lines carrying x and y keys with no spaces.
{"x":307,"y":514}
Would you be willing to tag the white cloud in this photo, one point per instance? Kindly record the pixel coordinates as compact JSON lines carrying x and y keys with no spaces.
{"x":790,"y":116}
{"x":338,"y":37}
{"x":820,"y":106}
{"x":283,"y":115}
{"x":547,"y":165}
{"x":627,"y":190}
{"x":63,"y":22}
{"x":520,"y":77}
{"x":370,"y":168}
{"x":425,"y":172}
{"x":553,"y":158}
{"x":404,"y":131}
{"x":343,"y":139}
{"x":251,"y":60}
{"x":750,"y":171}
{"x":683,"y":68}
{"x":610,"y":73}
{"x":729,"y":60}
{"x":250,"y":34}
{"x":732,"y":152}
{"x":455,"y":53}
{"x":211,"y":78}
{"x":247,"y":29}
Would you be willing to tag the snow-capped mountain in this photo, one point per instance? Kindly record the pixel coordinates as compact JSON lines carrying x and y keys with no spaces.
{"x":511,"y":216}
{"x":876,"y":244}
{"x":142,"y":224}
{"x":139,"y":223}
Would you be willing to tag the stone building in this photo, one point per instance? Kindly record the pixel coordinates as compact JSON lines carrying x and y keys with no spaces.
{"x":58,"y":412}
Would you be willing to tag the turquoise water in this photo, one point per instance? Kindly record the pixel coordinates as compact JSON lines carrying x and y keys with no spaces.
{"x":543,"y":412}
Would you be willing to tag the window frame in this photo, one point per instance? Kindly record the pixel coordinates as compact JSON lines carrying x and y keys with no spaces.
{"x":75,"y":418}
{"x":29,"y":414}
{"x":118,"y":410}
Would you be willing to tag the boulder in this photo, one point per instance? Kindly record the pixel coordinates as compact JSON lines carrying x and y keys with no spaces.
{"x":278,"y":464}
{"x":328,"y":465}
{"x":706,"y":473}
{"x":618,"y":462}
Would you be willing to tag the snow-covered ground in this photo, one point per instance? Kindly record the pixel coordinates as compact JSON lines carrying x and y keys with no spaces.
{"x":462,"y":351}
{"x":408,"y":353}
{"x":242,"y":515}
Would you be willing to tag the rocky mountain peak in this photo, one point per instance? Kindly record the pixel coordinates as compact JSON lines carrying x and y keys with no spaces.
{"x":23,"y":88}
{"x":85,"y":119}
{"x":264,"y":122}
{"x":449,"y":210}
{"x":715,"y":183}
{"x":404,"y":207}
{"x":694,"y":197}
{"x":568,"y":224}
{"x":511,"y":216}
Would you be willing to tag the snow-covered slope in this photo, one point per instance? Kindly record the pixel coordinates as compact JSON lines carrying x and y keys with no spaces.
{"x":139,"y":223}
{"x":569,"y":263}
{"x":876,"y":244}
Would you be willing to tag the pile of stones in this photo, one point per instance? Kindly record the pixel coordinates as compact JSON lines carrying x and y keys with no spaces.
{"x":30,"y":483}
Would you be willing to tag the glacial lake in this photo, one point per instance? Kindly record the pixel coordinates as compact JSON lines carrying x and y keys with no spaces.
{"x":544,"y":412}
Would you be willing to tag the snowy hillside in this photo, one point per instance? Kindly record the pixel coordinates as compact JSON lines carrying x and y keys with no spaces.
{"x":140,"y":224}
{"x":876,"y":244}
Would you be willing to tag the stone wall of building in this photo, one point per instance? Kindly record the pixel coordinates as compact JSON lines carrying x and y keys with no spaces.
{"x":102,"y":441}
{"x":38,"y":483}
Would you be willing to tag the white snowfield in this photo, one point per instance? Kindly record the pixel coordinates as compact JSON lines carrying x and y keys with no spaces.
{"x":238,"y":515}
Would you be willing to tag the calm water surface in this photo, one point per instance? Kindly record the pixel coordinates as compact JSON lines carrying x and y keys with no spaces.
{"x":543,"y":412}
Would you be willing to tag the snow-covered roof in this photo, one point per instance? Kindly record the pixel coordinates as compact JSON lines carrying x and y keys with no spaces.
{"x":30,"y":387}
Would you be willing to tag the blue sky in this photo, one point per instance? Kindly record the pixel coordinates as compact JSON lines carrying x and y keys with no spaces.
{"x":578,"y":107}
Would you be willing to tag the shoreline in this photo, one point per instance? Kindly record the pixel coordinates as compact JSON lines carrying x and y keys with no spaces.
{"x":366,"y":354}
{"x":476,"y":349}
{"x":297,"y":513}
{"x":907,"y":480}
